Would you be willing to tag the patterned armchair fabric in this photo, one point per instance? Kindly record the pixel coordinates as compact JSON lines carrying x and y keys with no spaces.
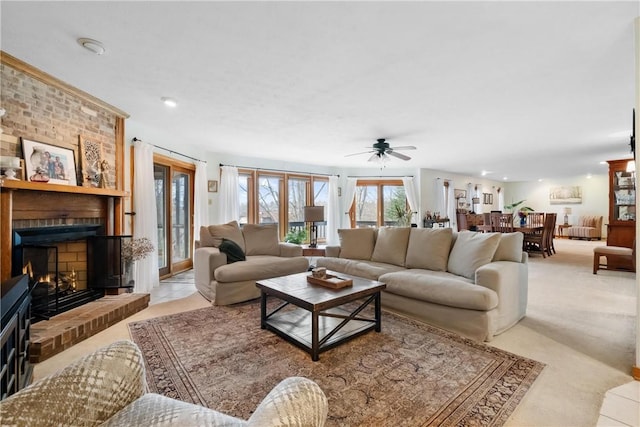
{"x":107,"y":388}
{"x":588,"y":227}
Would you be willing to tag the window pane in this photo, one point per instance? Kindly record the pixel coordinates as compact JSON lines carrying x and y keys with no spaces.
{"x":243,"y":198}
{"x":366,"y":205}
{"x":180,"y":224}
{"x":297,"y":202}
{"x":268,"y":199}
{"x":395,"y":205}
{"x":160,"y":178}
{"x":321,"y":198}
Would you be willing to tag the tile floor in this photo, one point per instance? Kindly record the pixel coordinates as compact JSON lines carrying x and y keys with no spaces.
{"x":179,"y":286}
{"x":620,"y":408}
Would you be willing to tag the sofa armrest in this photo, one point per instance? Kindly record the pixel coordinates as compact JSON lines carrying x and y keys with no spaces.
{"x":295,"y":401}
{"x":90,"y":390}
{"x":205,"y":261}
{"x":332,"y":251}
{"x":289,"y":250}
{"x":510,"y":280}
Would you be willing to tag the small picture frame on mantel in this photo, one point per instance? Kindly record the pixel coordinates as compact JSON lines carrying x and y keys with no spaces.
{"x":212,"y":186}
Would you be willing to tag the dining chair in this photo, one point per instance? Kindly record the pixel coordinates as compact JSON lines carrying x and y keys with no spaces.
{"x":502,"y":223}
{"x":551,"y":234}
{"x":539,"y":242}
{"x":535,"y":219}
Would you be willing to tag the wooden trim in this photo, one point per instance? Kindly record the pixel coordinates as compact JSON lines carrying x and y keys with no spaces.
{"x":635,"y":372}
{"x":38,"y":74}
{"x":170,"y":161}
{"x":6,"y":211}
{"x":39,"y":186}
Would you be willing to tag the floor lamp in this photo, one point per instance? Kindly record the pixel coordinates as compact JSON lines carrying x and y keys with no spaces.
{"x":314,"y":214}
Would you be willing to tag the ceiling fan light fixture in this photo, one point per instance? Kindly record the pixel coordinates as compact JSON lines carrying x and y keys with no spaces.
{"x":91,"y":45}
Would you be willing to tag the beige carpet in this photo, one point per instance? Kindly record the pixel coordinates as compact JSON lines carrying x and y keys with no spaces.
{"x":410,"y":374}
{"x":582,"y":326}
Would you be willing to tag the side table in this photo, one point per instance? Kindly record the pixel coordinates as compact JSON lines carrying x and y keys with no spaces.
{"x":561,"y":228}
{"x":317,"y":251}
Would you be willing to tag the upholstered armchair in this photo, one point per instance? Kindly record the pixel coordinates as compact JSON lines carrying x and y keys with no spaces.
{"x":588,"y":227}
{"x":108,"y":388}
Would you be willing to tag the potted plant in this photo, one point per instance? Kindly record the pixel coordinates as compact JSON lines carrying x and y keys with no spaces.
{"x":522,"y":211}
{"x":134,"y":250}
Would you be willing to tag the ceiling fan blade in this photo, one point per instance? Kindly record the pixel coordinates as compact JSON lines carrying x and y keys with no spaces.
{"x":391,"y":152}
{"x":405,"y":147}
{"x":357,"y":154}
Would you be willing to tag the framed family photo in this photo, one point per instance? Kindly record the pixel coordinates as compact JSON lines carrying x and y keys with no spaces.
{"x":212,"y":186}
{"x":49,"y":163}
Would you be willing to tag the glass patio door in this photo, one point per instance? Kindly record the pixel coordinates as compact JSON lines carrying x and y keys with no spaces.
{"x":174,"y":200}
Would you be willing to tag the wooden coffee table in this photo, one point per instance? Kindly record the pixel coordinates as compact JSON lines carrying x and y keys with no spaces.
{"x":315,"y":318}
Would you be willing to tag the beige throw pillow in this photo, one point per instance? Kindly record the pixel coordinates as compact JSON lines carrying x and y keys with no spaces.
{"x":357,"y":243}
{"x":391,"y":245}
{"x":261,"y":239}
{"x":230,"y":230}
{"x":429,"y":248}
{"x":471,"y":251}
{"x":510,"y":247}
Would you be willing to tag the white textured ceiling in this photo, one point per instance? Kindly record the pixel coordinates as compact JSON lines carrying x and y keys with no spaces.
{"x":525,"y":90}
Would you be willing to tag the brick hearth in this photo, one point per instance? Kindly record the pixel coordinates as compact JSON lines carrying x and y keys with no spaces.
{"x":50,"y":337}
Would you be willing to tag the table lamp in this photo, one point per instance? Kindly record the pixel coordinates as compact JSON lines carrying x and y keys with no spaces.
{"x":567,"y":212}
{"x":314,"y":214}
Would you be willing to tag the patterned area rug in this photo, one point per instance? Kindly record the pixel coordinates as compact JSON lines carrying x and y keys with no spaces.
{"x":410,"y":374}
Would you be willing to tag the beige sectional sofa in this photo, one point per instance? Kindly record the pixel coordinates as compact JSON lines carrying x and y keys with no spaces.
{"x":588,"y":227}
{"x":471,"y":283}
{"x":226,"y":283}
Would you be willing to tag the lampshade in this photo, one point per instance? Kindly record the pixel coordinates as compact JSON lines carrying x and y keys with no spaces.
{"x":631,"y":166}
{"x":313,"y":213}
{"x":566,"y":211}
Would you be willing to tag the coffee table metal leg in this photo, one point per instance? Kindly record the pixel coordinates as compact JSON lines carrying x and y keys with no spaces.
{"x":263,"y":310}
{"x":314,"y":337}
{"x":378,"y":313}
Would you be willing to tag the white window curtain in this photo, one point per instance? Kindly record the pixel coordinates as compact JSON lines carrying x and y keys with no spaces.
{"x":451,"y":206}
{"x":500,"y":200}
{"x":480,"y":197}
{"x":470,"y":193}
{"x":228,"y":201}
{"x":412,"y":196}
{"x":200,"y":200}
{"x":145,"y":221}
{"x":349,"y":194}
{"x":333,"y":213}
{"x":440,"y":196}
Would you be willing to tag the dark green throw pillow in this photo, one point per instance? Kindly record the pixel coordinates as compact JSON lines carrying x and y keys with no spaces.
{"x":233,"y":251}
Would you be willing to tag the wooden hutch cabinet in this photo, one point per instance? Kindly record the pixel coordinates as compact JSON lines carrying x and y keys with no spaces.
{"x":621,"y":229}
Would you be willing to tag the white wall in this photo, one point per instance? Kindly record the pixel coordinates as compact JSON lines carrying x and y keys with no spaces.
{"x":595,"y":197}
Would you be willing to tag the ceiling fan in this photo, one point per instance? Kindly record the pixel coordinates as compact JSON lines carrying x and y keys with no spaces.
{"x":381,"y":151}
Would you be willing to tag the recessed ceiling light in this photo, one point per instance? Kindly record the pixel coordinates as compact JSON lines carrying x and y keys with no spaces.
{"x":169,"y":102}
{"x":603,"y":162}
{"x":504,"y":178}
{"x":91,"y":45}
{"x":540,"y":179}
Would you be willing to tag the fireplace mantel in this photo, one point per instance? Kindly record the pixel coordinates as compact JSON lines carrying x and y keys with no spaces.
{"x":24,"y":200}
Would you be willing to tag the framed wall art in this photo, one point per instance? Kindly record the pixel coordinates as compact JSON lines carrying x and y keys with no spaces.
{"x":459,"y":194}
{"x":487,"y":198}
{"x":49,"y":163}
{"x":212,"y":186}
{"x":564,"y":195}
{"x":90,"y":157}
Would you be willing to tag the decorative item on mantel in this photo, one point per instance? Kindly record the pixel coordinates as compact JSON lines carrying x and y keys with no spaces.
{"x":134,"y":250}
{"x":9,"y":165}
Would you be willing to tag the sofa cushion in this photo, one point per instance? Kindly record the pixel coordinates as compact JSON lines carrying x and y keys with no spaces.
{"x":510,"y":247}
{"x":357,"y":243}
{"x":391,"y":245}
{"x":232,"y":250}
{"x":361,"y":268}
{"x":261,"y":239}
{"x":440,"y":288}
{"x":470,"y":251}
{"x":259,"y":267}
{"x":216,"y":233}
{"x":429,"y":248}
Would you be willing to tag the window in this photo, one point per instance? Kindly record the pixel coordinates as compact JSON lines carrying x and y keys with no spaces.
{"x":279,"y":198}
{"x":378,"y":203}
